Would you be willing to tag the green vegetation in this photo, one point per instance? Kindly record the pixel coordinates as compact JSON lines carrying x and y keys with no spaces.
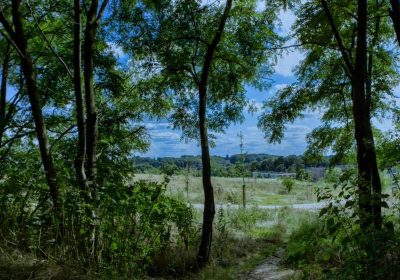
{"x":243,"y":239}
{"x":230,"y":166}
{"x":288,"y":184}
{"x":229,"y":190}
{"x":81,"y":79}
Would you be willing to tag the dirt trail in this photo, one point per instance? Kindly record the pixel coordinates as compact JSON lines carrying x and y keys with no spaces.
{"x":270,"y":269}
{"x":303,"y":206}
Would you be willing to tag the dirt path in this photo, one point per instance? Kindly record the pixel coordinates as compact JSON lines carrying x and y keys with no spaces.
{"x":304,"y":206}
{"x":270,"y":269}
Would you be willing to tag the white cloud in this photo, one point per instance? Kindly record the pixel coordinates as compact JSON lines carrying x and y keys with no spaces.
{"x":291,"y":57}
{"x":287,"y":18}
{"x":287,"y":62}
{"x":260,"y":6}
{"x":277,"y":87}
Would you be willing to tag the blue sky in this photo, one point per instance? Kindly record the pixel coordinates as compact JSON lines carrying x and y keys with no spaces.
{"x":167,"y":142}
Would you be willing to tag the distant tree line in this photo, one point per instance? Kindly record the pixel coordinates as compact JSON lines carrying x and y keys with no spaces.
{"x":228,"y":166}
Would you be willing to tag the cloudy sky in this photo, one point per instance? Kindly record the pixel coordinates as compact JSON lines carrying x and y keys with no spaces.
{"x":167,"y":142}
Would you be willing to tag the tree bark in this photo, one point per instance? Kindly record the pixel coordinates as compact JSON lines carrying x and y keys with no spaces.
{"x":91,"y":125}
{"x":19,"y":38}
{"x":394,"y":13}
{"x":368,"y":174}
{"x":3,"y":92}
{"x":93,"y":18}
{"x":369,"y":185}
{"x":80,"y":115}
{"x":209,"y":205}
{"x":376,"y":182}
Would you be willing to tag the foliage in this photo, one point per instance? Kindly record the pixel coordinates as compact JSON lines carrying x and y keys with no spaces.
{"x":322,"y":83}
{"x":136,"y":222}
{"x":147,"y":61}
{"x":174,"y":55}
{"x":333,"y":175}
{"x":140,"y":221}
{"x":335,"y":247}
{"x":288,"y":183}
{"x":230,"y":166}
{"x":303,"y":175}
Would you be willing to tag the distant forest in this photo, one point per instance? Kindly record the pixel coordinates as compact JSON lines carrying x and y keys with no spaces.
{"x":228,"y":166}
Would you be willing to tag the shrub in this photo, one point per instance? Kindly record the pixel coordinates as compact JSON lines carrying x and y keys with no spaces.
{"x":288,"y":183}
{"x":140,"y":220}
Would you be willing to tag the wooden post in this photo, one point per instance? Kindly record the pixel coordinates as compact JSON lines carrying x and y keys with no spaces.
{"x":242,"y":169}
{"x":244,"y":195}
{"x":187,"y":181}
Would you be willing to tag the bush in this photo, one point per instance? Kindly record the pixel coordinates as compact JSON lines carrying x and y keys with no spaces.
{"x":303,"y":175}
{"x":141,"y":221}
{"x":134,"y":223}
{"x":336,"y":247}
{"x":288,"y":183}
{"x":333,"y":175}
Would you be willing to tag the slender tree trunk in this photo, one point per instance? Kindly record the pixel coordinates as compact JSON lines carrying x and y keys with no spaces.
{"x":369,"y":180}
{"x":368,"y":174}
{"x":80,"y":115}
{"x":209,"y":205}
{"x":30,"y":78}
{"x":376,"y":182}
{"x":3,"y":92}
{"x":395,"y":15}
{"x":93,"y":18}
{"x":91,"y":127}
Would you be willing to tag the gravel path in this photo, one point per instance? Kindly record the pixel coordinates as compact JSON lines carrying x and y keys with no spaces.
{"x":305,"y":206}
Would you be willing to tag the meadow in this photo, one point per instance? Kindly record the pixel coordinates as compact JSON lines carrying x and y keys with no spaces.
{"x":259,"y":191}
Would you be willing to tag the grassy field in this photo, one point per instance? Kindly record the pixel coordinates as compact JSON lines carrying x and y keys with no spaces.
{"x":229,"y":190}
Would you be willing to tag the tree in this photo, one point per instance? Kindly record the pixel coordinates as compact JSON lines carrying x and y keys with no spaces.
{"x":18,"y":39}
{"x":80,"y":114}
{"x":94,"y":16}
{"x":351,"y":65}
{"x":288,"y":183}
{"x":203,"y":77}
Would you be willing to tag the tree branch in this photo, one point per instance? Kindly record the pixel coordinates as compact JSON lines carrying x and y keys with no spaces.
{"x":338,"y":38}
{"x":10,"y":32}
{"x":49,"y":44}
{"x":394,"y":13}
{"x":101,"y":11}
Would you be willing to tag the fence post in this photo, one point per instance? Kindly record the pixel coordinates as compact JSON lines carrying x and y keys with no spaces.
{"x":244,"y":195}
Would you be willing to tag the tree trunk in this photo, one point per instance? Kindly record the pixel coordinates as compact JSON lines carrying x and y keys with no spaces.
{"x":93,"y":17}
{"x":209,"y":205}
{"x":80,"y":117}
{"x":91,"y":127}
{"x":30,"y":78}
{"x":3,"y":92}
{"x":376,"y":182}
{"x":395,"y":15}
{"x":368,"y":174}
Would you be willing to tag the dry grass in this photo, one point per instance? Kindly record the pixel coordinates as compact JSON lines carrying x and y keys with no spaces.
{"x":229,"y":190}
